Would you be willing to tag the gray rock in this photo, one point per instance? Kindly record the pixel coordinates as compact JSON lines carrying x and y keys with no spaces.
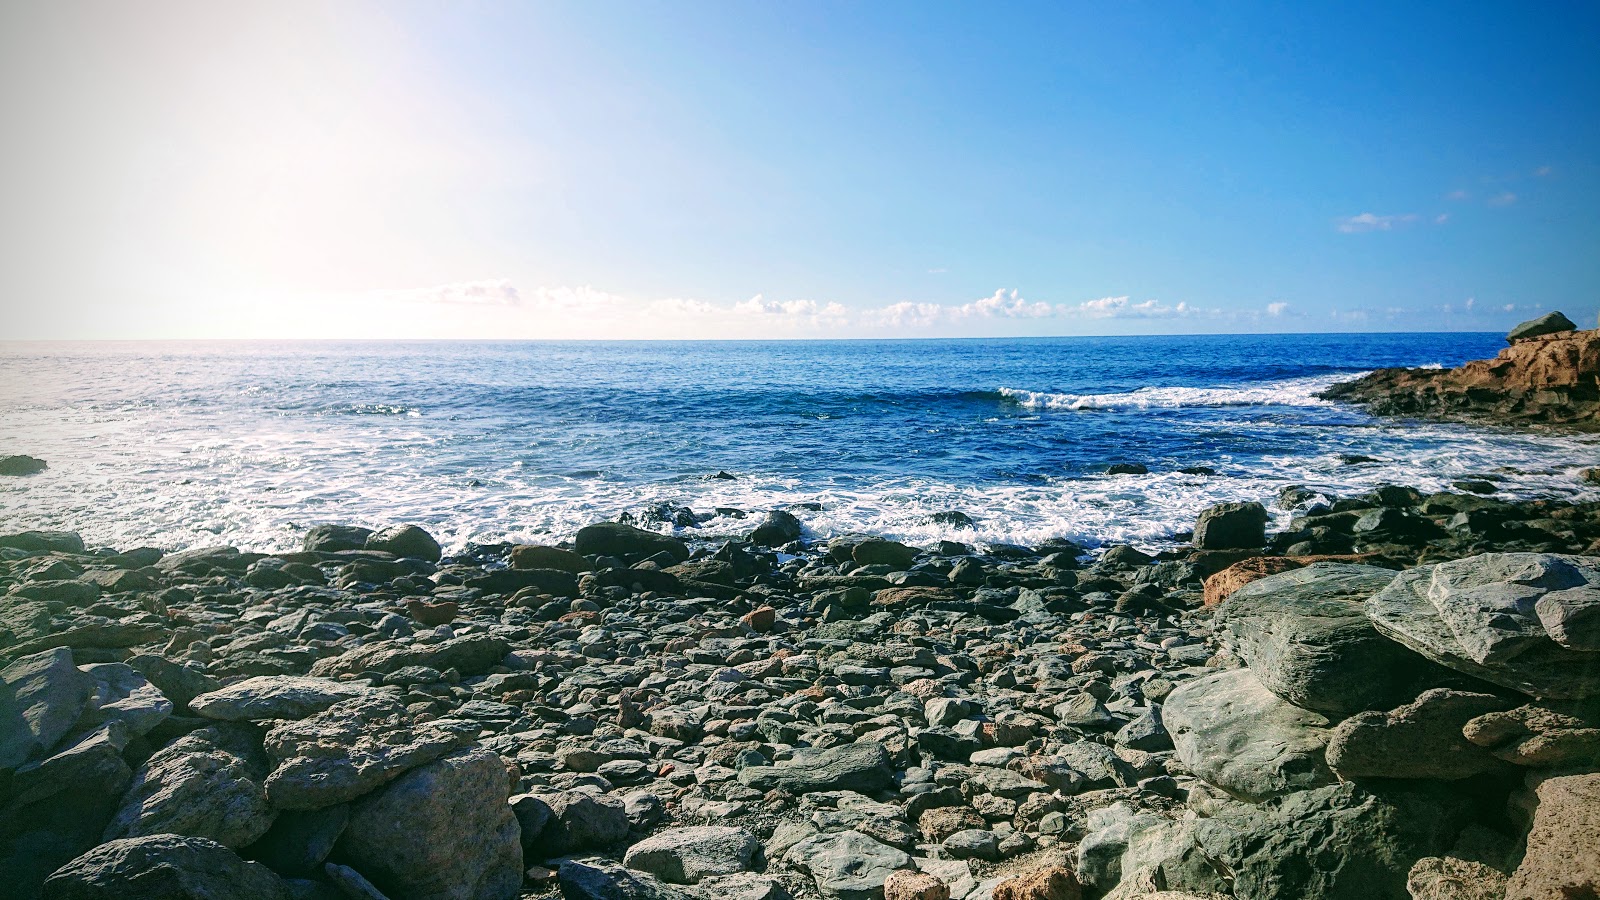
{"x":209,"y":783}
{"x":301,"y":840}
{"x":1549,"y":323}
{"x":177,"y":682}
{"x":1231,"y":731}
{"x":1229,"y":526}
{"x":163,"y":867}
{"x":41,"y":696}
{"x":348,"y":750}
{"x":56,"y":809}
{"x":1545,"y":735}
{"x":122,"y":693}
{"x":580,"y":821}
{"x":335,"y":538}
{"x":1480,"y":616}
{"x":442,"y":831}
{"x":847,"y":865}
{"x":623,"y":541}
{"x":1305,"y":634}
{"x":406,"y":541}
{"x":863,"y":767}
{"x":472,"y":654}
{"x":688,"y":855}
{"x":777,"y":529}
{"x":601,"y":880}
{"x":21,"y":465}
{"x":274,"y":697}
{"x":1421,"y":739}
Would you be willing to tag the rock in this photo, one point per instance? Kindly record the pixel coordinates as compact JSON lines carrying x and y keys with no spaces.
{"x":761,"y":619}
{"x":598,"y":879}
{"x":1305,"y":634}
{"x":335,"y":538}
{"x":348,"y":750}
{"x":1232,"y":732}
{"x":300,"y":841}
{"x":1561,"y":861}
{"x":21,"y":465}
{"x":180,"y":683}
{"x":534,"y":556}
{"x":1480,"y":615}
{"x":1549,"y":379}
{"x":1540,"y":735}
{"x":55,"y":809}
{"x":1054,"y":883}
{"x":1421,"y":739}
{"x":471,"y":654}
{"x":688,"y":855}
{"x":847,"y":865}
{"x":905,"y":884}
{"x":442,"y":831}
{"x":1220,"y":585}
{"x":776,"y":529}
{"x":432,"y":614}
{"x":880,"y":552}
{"x":406,"y":542}
{"x":973,"y":843}
{"x":1549,"y":323}
{"x":43,"y":541}
{"x":163,"y":867}
{"x":581,"y":821}
{"x":863,"y":767}
{"x":1447,"y":878}
{"x":274,"y":697}
{"x":1127,"y":469}
{"x":41,"y":696}
{"x":624,"y":541}
{"x":208,"y":783}
{"x":1228,"y":526}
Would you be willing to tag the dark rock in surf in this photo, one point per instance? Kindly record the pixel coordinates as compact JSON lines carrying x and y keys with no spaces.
{"x":21,"y":465}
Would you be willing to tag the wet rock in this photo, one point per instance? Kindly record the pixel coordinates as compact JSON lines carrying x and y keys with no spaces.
{"x":863,"y":766}
{"x":1231,"y":731}
{"x":877,"y":551}
{"x":1480,"y":616}
{"x":43,"y":541}
{"x":534,"y":556}
{"x":335,"y":538}
{"x":689,"y":855}
{"x":1127,"y":469}
{"x":1421,"y":739}
{"x":163,"y":867}
{"x":1231,"y":525}
{"x":776,"y":529}
{"x":209,"y":784}
{"x":405,"y":541}
{"x":348,"y":750}
{"x":21,"y":465}
{"x":624,"y":541}
{"x":43,"y":695}
{"x":442,"y":831}
{"x":847,"y":865}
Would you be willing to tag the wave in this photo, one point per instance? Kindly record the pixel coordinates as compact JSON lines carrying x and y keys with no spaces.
{"x":1290,"y":392}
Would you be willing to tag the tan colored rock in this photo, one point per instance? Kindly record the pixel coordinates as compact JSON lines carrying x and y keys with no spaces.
{"x":942,"y":821}
{"x":1221,"y":585}
{"x":1448,"y":878}
{"x":1537,"y":735}
{"x":908,"y":885}
{"x":1054,"y":883}
{"x":1562,"y":862}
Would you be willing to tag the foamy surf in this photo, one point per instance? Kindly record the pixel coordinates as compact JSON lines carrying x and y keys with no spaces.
{"x":1289,"y":392}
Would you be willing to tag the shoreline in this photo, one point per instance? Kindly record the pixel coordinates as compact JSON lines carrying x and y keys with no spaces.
{"x":770,"y":718}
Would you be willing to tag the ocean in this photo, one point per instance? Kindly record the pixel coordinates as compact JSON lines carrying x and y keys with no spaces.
{"x":179,"y":445}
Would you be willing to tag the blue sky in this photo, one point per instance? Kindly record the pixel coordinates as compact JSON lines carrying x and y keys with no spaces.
{"x":796,"y":169}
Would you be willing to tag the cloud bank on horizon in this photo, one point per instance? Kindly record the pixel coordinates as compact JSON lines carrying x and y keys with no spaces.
{"x":410,"y":170}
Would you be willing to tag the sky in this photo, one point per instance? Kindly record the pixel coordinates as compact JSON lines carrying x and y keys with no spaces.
{"x":683,"y":169}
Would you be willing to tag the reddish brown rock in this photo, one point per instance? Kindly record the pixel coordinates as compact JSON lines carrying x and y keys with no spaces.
{"x":761,"y":619}
{"x":905,"y":884}
{"x":432,"y":614}
{"x":1561,"y":861}
{"x":1221,"y":586}
{"x":1054,"y":883}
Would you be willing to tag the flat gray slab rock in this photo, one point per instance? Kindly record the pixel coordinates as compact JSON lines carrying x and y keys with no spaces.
{"x":348,"y":750}
{"x":847,"y":865}
{"x":274,"y":697}
{"x":862,"y":766}
{"x":688,"y":855}
{"x":1497,"y":617}
{"x":41,"y":697}
{"x":1232,"y":732}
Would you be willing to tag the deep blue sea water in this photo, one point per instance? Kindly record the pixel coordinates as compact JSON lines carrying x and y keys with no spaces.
{"x":186,"y":444}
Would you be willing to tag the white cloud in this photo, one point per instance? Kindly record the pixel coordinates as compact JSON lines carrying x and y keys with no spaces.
{"x":1471,"y":302}
{"x":1005,"y":304}
{"x":1276,"y":309}
{"x":1505,"y":198}
{"x":1441,"y":218}
{"x":1458,"y":194}
{"x":1543,"y":172}
{"x":1372,"y":222}
{"x":1124,"y":308}
{"x":679,"y":307}
{"x":493,"y":292}
{"x":907,"y":314}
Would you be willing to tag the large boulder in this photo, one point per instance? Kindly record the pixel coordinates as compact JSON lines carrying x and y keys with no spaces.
{"x":1306,"y":635}
{"x":847,"y":865}
{"x":1232,"y":732}
{"x":274,"y":697}
{"x":863,"y":767}
{"x":335,"y":538}
{"x":1231,"y":526}
{"x":21,"y":465}
{"x":1544,"y":735}
{"x":688,"y":855}
{"x":538,"y":556}
{"x":574,"y":821}
{"x":1421,"y":739}
{"x":406,"y":541}
{"x":625,"y":541}
{"x":1561,"y":861}
{"x":208,"y":783}
{"x":776,"y":529}
{"x":1496,"y":617}
{"x":1549,"y":323}
{"x":442,"y":831}
{"x":163,"y":867}
{"x":349,"y":750}
{"x":41,"y":696}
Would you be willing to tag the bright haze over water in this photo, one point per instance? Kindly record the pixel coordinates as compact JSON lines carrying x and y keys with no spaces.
{"x":180,"y":445}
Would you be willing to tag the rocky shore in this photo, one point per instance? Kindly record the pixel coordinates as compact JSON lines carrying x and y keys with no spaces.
{"x":1548,"y":375}
{"x":1397,"y":696}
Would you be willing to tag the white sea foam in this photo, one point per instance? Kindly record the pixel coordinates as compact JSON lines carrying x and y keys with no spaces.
{"x":1289,"y":392}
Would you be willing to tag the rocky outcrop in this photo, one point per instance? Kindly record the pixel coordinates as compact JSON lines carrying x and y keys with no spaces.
{"x":1547,"y":378}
